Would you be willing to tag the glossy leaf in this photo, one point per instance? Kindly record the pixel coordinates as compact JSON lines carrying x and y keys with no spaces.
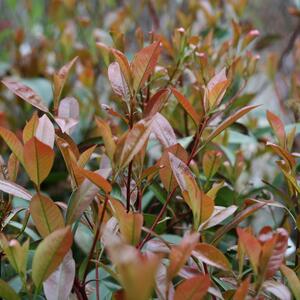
{"x":30,"y":128}
{"x":26,"y":93}
{"x":14,"y":189}
{"x":165,"y":172}
{"x":193,"y":289}
{"x":229,"y":121}
{"x":211,"y":256}
{"x":242,"y":291}
{"x":163,"y":131}
{"x":68,"y":114}
{"x":118,"y":81}
{"x":60,"y":78}
{"x":277,"y":289}
{"x":278,"y":128}
{"x":132,"y":143}
{"x":38,"y":160}
{"x":45,"y":214}
{"x":44,"y":131}
{"x":50,"y":253}
{"x":59,"y":284}
{"x":201,"y":205}
{"x":284,"y":154}
{"x":97,"y":179}
{"x":105,"y":131}
{"x":143,"y":64}
{"x":252,"y":247}
{"x":216,"y":88}
{"x":80,"y":200}
{"x":179,"y":254}
{"x":211,"y":162}
{"x":156,"y":102}
{"x":13,"y":143}
{"x":187,"y":106}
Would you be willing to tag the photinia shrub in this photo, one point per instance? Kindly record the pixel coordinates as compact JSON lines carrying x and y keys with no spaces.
{"x":147,"y":203}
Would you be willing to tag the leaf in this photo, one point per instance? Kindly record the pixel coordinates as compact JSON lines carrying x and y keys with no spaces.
{"x":80,"y":200}
{"x":130,"y":223}
{"x":59,"y":284}
{"x":12,"y":167}
{"x":68,"y":114}
{"x":201,"y":205}
{"x":156,"y":102}
{"x":285,"y":155}
{"x":165,"y":172}
{"x":14,"y":189}
{"x":26,"y":93}
{"x":105,"y":132}
{"x":124,"y":66}
{"x":212,"y":256}
{"x":30,"y":128}
{"x":49,"y":254}
{"x":187,"y":106}
{"x":143,"y":64}
{"x":118,"y":81}
{"x":85,"y":156}
{"x":237,"y":219}
{"x":136,"y":271}
{"x":97,"y":179}
{"x":252,"y":247}
{"x":216,"y":88}
{"x":278,"y":128}
{"x":13,"y":143}
{"x":59,"y":79}
{"x":275,"y":254}
{"x":219,"y":216}
{"x":292,"y":279}
{"x":230,"y":120}
{"x":45,"y":214}
{"x":15,"y":253}
{"x":163,"y":131}
{"x":44,"y":131}
{"x":180,"y":253}
{"x":242,"y":291}
{"x":279,"y":290}
{"x":132,"y":143}
{"x":211,"y":162}
{"x":193,"y":289}
{"x":7,"y":292}
{"x":38,"y":160}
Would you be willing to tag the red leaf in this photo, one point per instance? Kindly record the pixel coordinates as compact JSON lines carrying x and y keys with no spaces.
{"x":187,"y":106}
{"x":193,"y":289}
{"x":156,"y":102}
{"x":277,"y":127}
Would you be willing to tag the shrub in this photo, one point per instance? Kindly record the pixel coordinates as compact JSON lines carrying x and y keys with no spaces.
{"x":149,"y":187}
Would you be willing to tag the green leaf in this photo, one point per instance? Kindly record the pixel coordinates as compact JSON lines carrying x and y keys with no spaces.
{"x":6,"y":292}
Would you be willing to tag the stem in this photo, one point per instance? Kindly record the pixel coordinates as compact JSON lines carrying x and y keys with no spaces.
{"x":128,"y":186}
{"x":163,"y":209}
{"x":95,"y":239}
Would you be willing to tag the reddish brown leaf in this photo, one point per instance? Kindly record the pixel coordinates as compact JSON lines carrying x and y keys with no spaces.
{"x":277,"y":127}
{"x":156,"y":102}
{"x":38,"y":160}
{"x":59,"y":79}
{"x":242,"y":291}
{"x":211,"y":256}
{"x":30,"y":127}
{"x":193,"y":289}
{"x":118,"y":82}
{"x":229,"y":121}
{"x":143,"y":64}
{"x":285,"y":155}
{"x":252,"y":247}
{"x":163,"y":130}
{"x":179,"y":254}
{"x":211,"y":162}
{"x":26,"y":93}
{"x":187,"y":106}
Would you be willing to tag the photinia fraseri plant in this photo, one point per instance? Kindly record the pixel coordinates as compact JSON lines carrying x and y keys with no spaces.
{"x":148,"y":206}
